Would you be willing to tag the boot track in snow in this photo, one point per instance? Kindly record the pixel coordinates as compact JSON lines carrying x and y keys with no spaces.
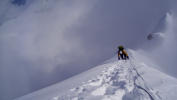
{"x":118,"y":81}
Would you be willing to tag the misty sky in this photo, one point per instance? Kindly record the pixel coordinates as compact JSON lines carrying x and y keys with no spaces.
{"x":46,"y":41}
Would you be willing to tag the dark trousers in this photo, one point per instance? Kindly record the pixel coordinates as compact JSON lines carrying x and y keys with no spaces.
{"x":122,"y":56}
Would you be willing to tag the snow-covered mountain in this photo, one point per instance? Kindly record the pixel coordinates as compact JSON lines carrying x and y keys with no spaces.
{"x":43,"y":42}
{"x":134,"y":79}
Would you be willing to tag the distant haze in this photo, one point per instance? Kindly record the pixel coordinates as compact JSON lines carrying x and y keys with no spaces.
{"x":46,"y":41}
{"x":164,"y":52}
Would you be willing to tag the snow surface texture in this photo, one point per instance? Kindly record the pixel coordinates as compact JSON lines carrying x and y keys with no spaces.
{"x":116,"y":80}
{"x":40,"y":38}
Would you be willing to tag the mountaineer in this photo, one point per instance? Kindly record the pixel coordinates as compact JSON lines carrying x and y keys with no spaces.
{"x":122,"y":54}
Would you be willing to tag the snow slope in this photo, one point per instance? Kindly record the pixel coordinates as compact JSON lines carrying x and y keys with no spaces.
{"x":134,"y":79}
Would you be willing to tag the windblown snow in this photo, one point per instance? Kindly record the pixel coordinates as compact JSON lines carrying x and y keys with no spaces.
{"x":114,"y":80}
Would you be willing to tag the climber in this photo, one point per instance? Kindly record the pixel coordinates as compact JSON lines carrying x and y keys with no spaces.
{"x":122,"y":54}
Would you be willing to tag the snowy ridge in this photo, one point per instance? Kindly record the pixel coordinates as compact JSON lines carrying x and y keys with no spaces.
{"x":134,"y":79}
{"x":119,"y":81}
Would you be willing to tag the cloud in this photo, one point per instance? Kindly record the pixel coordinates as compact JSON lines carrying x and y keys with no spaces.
{"x":164,"y":53}
{"x":36,"y":42}
{"x":51,"y":40}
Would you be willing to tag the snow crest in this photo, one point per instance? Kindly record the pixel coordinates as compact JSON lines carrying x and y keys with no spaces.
{"x":120,"y":80}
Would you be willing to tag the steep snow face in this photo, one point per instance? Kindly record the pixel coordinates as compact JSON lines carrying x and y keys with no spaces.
{"x":115,"y":80}
{"x":46,"y":41}
{"x":164,"y":44}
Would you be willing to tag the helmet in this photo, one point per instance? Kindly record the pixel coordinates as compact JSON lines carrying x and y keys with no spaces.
{"x":120,"y":47}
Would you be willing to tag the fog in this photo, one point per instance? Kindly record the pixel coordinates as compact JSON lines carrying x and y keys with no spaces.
{"x":162,"y":48}
{"x":47,"y":41}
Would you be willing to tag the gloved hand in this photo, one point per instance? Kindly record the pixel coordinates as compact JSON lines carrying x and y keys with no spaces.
{"x":127,"y":57}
